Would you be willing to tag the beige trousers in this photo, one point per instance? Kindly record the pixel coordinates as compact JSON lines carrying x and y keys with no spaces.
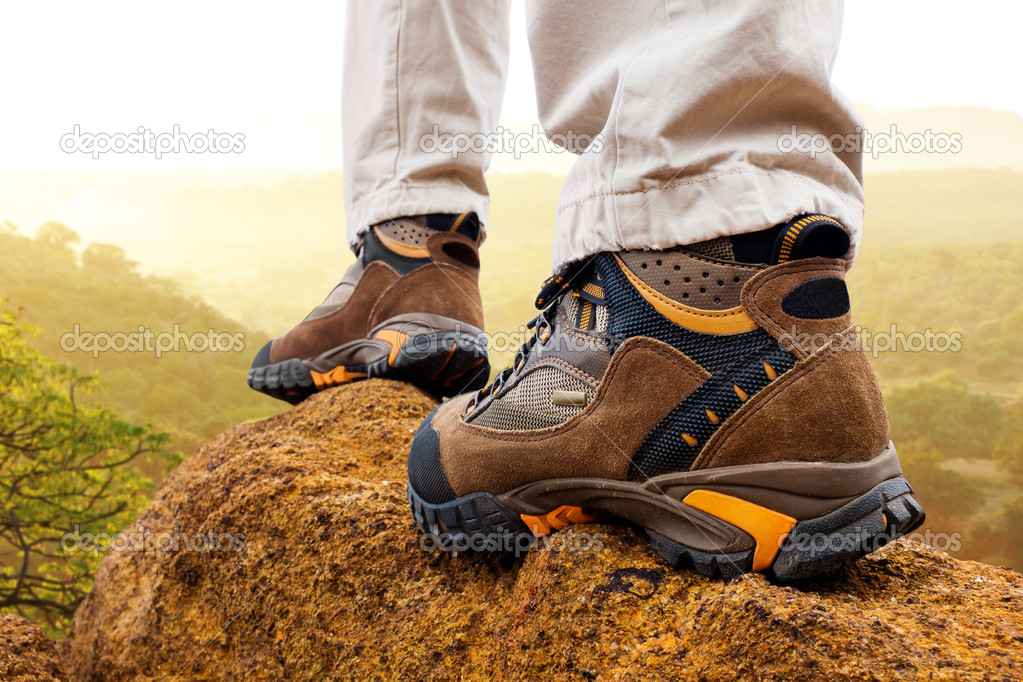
{"x":685,"y":114}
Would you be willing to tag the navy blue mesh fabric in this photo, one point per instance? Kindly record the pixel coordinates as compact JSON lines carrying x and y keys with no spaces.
{"x":733,"y":360}
{"x":632,"y":316}
{"x":664,"y":451}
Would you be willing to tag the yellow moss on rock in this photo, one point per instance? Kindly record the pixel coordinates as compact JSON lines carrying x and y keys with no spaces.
{"x":333,"y":584}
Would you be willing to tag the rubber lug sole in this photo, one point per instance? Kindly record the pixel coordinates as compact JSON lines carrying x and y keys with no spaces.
{"x":288,"y":380}
{"x":445,"y":364}
{"x":477,"y":521}
{"x":812,"y":548}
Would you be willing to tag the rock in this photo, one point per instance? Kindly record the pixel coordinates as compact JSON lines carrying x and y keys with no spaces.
{"x":26,"y":654}
{"x":332,"y":583}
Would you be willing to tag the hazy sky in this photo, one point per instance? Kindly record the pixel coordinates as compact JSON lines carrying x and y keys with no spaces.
{"x":272,"y":72}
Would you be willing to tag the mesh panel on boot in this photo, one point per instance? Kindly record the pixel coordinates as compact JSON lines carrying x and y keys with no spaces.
{"x":571,"y":307}
{"x":665,"y":451}
{"x":529,"y":404}
{"x":600,"y":326}
{"x":733,"y":360}
{"x":534,"y":391}
{"x":631,"y":315}
{"x":598,"y":322}
{"x":505,"y":416}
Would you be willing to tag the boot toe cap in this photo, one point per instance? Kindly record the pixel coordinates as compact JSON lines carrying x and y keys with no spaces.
{"x":262,"y":358}
{"x":425,"y":471}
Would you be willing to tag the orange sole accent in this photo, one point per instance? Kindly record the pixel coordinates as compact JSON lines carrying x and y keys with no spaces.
{"x":396,"y":339}
{"x":768,"y":527}
{"x":336,"y":377}
{"x":559,"y":518}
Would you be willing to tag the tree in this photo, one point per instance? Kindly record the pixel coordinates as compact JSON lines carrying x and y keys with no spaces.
{"x":958,"y":422}
{"x":949,"y":497}
{"x":63,"y":465}
{"x":1011,"y":518}
{"x":1009,"y":451}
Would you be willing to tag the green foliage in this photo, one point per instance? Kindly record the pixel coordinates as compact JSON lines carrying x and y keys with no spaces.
{"x":943,"y":410}
{"x":974,"y":292}
{"x":1009,"y":532}
{"x":948,"y":497}
{"x":1009,"y":451}
{"x":63,"y":464}
{"x":192,"y":395}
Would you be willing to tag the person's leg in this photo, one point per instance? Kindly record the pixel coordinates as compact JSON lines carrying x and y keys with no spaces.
{"x":694,"y":369}
{"x":410,"y":307}
{"x":692,"y":101}
{"x":413,"y":69}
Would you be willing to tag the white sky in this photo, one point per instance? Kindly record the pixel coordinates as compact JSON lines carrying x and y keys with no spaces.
{"x":272,"y":72}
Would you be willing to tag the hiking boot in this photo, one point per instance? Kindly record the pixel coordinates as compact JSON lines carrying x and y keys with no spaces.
{"x":714,"y":395}
{"x":408,"y":309}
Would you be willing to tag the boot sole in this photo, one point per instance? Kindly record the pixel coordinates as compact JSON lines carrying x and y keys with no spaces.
{"x":790,"y":521}
{"x":443,"y":363}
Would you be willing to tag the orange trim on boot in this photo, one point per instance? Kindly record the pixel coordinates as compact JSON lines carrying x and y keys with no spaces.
{"x":396,"y":339}
{"x":335,"y":377}
{"x":407,"y":250}
{"x":731,"y":321}
{"x":556,"y":519}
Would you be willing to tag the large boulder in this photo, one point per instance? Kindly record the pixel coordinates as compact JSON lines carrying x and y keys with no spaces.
{"x":26,"y":655}
{"x":330,"y":581}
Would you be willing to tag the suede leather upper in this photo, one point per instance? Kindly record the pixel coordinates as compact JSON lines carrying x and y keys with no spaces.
{"x":826,"y":408}
{"x":446,"y":285}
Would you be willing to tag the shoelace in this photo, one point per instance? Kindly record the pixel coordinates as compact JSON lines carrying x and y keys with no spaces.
{"x":542,"y":326}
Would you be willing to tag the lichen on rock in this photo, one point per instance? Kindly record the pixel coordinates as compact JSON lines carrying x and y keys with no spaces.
{"x":26,"y":655}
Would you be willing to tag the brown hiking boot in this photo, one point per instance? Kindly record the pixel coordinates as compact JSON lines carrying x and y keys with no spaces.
{"x":714,"y":395}
{"x":408,"y":309}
